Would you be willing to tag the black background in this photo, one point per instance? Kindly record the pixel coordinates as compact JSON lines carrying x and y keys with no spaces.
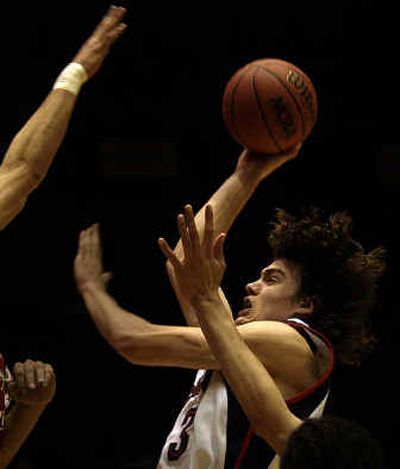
{"x":155,"y":110}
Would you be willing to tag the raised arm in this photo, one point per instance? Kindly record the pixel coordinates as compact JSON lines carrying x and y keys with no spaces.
{"x":199,"y":274}
{"x":32,"y":150}
{"x":227,"y":202}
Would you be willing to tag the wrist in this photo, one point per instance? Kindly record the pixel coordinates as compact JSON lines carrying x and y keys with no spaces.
{"x":71,"y":78}
{"x":249,"y":176}
{"x":90,"y":286}
{"x":31,"y":406}
{"x":205,"y":300}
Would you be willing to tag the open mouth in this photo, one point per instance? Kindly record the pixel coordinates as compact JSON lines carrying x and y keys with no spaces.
{"x":245,"y":311}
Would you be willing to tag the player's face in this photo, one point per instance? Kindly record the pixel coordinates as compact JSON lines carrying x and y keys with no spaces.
{"x":274,"y":295}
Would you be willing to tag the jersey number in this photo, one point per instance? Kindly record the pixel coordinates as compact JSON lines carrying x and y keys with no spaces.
{"x":175,"y":450}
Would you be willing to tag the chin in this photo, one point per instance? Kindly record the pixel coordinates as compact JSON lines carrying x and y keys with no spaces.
{"x":243,"y":320}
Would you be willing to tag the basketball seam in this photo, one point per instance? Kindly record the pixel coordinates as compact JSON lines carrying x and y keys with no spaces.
{"x":232,"y":111}
{"x":263,"y":116}
{"x":291,"y":95}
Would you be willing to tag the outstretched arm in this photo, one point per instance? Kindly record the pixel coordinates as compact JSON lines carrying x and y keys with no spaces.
{"x":32,"y":150}
{"x":141,"y":342}
{"x":199,"y":274}
{"x":32,"y":389}
{"x":227,"y":202}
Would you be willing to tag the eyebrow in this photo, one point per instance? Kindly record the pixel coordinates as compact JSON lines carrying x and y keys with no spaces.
{"x":272,"y":270}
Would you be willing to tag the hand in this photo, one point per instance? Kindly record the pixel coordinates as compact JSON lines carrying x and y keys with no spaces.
{"x":93,"y":52}
{"x":261,"y":165}
{"x":200,"y":272}
{"x":33,"y":384}
{"x":88,"y":266}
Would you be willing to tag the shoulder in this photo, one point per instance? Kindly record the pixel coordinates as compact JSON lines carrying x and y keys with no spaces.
{"x":272,"y":332}
{"x":284,"y":352}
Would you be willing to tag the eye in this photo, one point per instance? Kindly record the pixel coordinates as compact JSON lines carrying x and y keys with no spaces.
{"x":270,"y":279}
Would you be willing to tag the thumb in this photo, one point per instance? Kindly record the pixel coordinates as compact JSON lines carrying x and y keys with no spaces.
{"x":218,"y":248}
{"x":106,"y":277}
{"x":12,"y":389}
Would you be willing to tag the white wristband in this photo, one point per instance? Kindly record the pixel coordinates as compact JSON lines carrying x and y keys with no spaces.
{"x":71,"y":78}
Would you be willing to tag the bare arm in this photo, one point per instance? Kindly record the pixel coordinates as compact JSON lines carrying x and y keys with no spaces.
{"x":227,"y":202}
{"x":32,"y":150}
{"x":200,"y":274}
{"x":144,"y":343}
{"x":33,"y":389}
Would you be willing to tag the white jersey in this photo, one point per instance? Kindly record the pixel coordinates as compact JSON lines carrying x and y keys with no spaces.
{"x":212,"y":432}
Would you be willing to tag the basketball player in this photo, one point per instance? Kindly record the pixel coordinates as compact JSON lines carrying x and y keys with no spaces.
{"x":318,"y":272}
{"x":24,"y":166}
{"x":318,"y":443}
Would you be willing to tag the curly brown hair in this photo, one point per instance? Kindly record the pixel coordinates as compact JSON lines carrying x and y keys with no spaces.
{"x":337,"y":273}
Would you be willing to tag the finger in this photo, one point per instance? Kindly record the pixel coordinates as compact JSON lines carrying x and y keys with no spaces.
{"x":92,"y":242}
{"x":169,"y":253}
{"x":116,"y":32}
{"x":48,"y":374}
{"x":96,"y":240}
{"x":39,"y":372}
{"x":84,"y":244}
{"x":19,"y":375}
{"x":192,"y":229}
{"x":208,"y":231}
{"x":112,"y":17}
{"x":29,"y":372}
{"x":184,"y":235}
{"x":218,"y":248}
{"x":106,"y":277}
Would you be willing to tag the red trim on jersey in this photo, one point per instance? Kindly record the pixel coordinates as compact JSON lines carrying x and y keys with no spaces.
{"x":321,"y":380}
{"x":301,"y":395}
{"x":244,"y":448}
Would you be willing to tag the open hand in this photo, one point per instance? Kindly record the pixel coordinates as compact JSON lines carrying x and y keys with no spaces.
{"x":201,"y":271}
{"x":93,"y":52}
{"x":88,"y":265}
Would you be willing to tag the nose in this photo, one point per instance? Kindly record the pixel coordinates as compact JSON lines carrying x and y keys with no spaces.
{"x":251,"y":288}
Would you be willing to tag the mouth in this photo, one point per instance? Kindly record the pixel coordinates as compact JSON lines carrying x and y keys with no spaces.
{"x":244,"y":313}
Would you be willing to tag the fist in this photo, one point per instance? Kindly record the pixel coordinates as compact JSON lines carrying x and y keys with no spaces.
{"x":33,"y":383}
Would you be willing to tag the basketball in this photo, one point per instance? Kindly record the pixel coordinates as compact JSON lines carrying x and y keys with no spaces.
{"x":269,"y":106}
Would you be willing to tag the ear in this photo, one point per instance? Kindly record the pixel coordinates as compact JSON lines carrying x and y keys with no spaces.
{"x":306,"y":305}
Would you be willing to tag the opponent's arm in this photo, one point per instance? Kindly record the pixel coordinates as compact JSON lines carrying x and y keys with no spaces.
{"x":32,"y":389}
{"x":32,"y":150}
{"x":227,"y":202}
{"x":200,"y":273}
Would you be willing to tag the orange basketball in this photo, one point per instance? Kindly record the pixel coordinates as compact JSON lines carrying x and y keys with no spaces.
{"x":269,"y":105}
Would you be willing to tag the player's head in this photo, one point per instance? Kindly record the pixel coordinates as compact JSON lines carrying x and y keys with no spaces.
{"x":338,"y":276}
{"x":331,"y":443}
{"x":319,"y":268}
{"x":274,"y":295}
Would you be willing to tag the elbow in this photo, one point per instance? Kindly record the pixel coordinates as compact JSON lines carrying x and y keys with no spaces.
{"x":277,"y":441}
{"x":126,"y":347}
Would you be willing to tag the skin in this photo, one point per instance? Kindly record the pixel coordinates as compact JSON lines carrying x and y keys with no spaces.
{"x":34,"y":147}
{"x":199,"y":273}
{"x":23,"y":168}
{"x":280,"y":348}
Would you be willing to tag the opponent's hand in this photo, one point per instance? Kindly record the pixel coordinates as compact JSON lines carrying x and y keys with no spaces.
{"x":261,"y":165}
{"x":93,"y":52}
{"x":88,"y":265}
{"x":200,"y":272}
{"x":33,"y":384}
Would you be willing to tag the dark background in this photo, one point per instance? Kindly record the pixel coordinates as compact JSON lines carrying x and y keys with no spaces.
{"x":146,"y":137}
